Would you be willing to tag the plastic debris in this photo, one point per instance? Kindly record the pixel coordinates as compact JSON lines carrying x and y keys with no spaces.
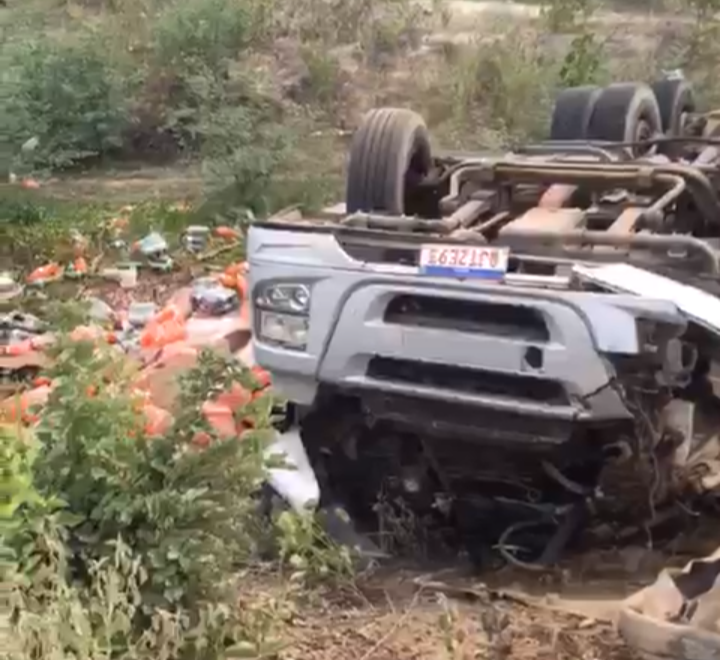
{"x":125,"y":274}
{"x":27,"y":323}
{"x":30,"y":145}
{"x":294,"y":479}
{"x":195,"y":238}
{"x":99,"y":310}
{"x":9,"y":288}
{"x":678,"y":616}
{"x":155,"y":250}
{"x":211,"y":298}
{"x":673,"y":74}
{"x":21,"y":343}
{"x":141,"y":313}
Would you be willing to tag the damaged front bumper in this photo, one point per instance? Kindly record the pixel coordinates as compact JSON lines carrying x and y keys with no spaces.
{"x":322,"y":317}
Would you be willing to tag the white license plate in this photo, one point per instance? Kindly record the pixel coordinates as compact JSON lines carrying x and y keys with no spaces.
{"x":482,"y":262}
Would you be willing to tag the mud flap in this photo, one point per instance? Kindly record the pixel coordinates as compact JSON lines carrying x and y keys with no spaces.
{"x":298,"y":487}
{"x":295,"y":482}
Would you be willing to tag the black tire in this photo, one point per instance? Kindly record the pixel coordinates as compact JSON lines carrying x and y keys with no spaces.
{"x":389,"y":154}
{"x":572,"y":111}
{"x":625,"y":112}
{"x":675,"y":98}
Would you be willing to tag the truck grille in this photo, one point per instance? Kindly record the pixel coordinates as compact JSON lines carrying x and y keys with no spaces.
{"x":469,"y":381}
{"x":498,"y":320}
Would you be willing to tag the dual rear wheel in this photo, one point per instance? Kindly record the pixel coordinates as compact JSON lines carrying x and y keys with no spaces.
{"x":622,"y":112}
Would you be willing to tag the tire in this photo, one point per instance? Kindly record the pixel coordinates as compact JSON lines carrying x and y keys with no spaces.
{"x":674,"y":97}
{"x":390,"y":152}
{"x":572,"y":112}
{"x":625,"y":112}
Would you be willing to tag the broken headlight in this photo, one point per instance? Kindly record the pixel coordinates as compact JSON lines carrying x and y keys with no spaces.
{"x":282,"y":313}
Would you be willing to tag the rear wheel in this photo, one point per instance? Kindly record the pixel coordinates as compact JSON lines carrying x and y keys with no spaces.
{"x":626,"y":112}
{"x":389,"y":156}
{"x":675,"y":100}
{"x":571,"y":115}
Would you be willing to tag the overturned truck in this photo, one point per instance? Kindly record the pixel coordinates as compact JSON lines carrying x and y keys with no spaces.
{"x":504,"y":347}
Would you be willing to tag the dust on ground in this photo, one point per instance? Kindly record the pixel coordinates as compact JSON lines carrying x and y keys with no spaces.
{"x":407,"y":612}
{"x":566,"y":613}
{"x":407,"y":615}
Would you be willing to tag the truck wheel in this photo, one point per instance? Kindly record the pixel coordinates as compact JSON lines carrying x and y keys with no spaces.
{"x":675,"y":99}
{"x":390,"y":154}
{"x":625,"y":112}
{"x":571,"y":115}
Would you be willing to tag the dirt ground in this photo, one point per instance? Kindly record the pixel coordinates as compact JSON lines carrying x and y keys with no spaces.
{"x":568,"y":613}
{"x":406,"y":615}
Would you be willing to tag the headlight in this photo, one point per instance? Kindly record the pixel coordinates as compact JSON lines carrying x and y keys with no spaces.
{"x":285,"y":329}
{"x":282,"y":310}
{"x":284,"y":297}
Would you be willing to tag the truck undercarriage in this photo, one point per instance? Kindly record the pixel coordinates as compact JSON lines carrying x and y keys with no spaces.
{"x":500,"y":349}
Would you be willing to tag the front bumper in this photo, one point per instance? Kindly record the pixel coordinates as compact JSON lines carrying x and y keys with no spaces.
{"x":536,"y":350}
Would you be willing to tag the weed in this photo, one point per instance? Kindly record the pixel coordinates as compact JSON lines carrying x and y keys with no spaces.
{"x":310,"y":554}
{"x":505,"y":83}
{"x":567,"y":15}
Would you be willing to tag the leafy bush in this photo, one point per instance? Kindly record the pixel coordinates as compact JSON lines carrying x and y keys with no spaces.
{"x":64,"y":96}
{"x":127,"y":537}
{"x":242,"y":153}
{"x":203,"y":34}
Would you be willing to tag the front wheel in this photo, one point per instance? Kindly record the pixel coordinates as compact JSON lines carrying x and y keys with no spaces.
{"x":389,"y":156}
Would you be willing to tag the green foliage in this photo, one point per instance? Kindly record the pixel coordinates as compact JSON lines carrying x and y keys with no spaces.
{"x":309,"y":553}
{"x":86,"y":93}
{"x":143,"y":533}
{"x":339,"y":22}
{"x":18,"y":495}
{"x":238,"y":170}
{"x":64,"y":95}
{"x":203,"y":35}
{"x":582,"y":64}
{"x":505,"y":84}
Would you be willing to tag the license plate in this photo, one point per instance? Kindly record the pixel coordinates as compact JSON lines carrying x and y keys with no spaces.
{"x":482,"y":262}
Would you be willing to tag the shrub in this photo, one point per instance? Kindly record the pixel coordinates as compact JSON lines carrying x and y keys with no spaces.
{"x":130,"y":538}
{"x":65,"y":96}
{"x":203,"y":35}
{"x":242,"y":151}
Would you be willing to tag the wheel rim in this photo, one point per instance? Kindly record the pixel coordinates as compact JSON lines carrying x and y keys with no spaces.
{"x":682,"y":122}
{"x":643,"y":132}
{"x":416,"y":171}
